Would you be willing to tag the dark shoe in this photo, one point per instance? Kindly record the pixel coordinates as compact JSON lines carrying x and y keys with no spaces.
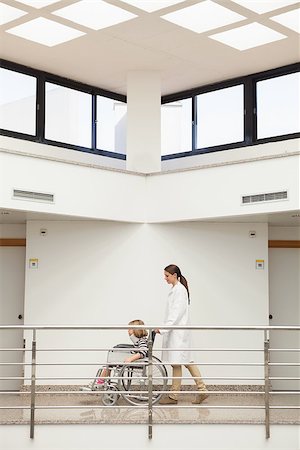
{"x":168,"y":401}
{"x":200,"y":398}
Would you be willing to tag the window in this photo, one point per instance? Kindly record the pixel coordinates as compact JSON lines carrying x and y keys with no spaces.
{"x":220,"y":117}
{"x":68,"y":115}
{"x":278,"y":110}
{"x":176,"y":127}
{"x":209,"y":118}
{"x":111,"y":125}
{"x":17,"y":102}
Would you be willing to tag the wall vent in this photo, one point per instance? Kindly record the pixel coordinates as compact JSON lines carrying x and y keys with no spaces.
{"x":30,"y":195}
{"x":270,"y":197}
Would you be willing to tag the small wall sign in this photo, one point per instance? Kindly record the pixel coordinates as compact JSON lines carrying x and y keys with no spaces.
{"x":33,"y":263}
{"x":260,"y":264}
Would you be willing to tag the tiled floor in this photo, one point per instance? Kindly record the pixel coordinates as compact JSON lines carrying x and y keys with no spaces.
{"x":89,"y":409}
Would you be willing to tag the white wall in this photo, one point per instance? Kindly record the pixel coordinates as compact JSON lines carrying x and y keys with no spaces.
{"x":217,"y":191}
{"x":8,"y":231}
{"x":284,"y":233}
{"x":93,"y":192}
{"x":105,"y":273}
{"x":267,"y":150}
{"x":59,"y":153}
{"x":12,"y":286}
{"x":236,"y":154}
{"x":143,"y":147}
{"x":284,"y":293}
{"x":79,"y":190}
{"x":165,"y":436}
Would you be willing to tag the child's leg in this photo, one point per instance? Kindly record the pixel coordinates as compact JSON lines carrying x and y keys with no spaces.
{"x":104,"y":374}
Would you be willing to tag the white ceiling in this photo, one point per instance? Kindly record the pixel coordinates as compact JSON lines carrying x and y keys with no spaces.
{"x":284,"y":219}
{"x":184,"y":58}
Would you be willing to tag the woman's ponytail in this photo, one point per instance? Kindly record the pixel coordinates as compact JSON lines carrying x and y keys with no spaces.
{"x":172,"y":268}
{"x":183,"y":281}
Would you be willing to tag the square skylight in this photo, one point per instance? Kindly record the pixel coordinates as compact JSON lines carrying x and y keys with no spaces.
{"x":46,"y":32}
{"x":94,"y":14}
{"x":248,"y":36}
{"x":8,"y":13}
{"x":38,"y":3}
{"x":152,"y":5}
{"x":289,"y":19}
{"x":203,"y":16}
{"x":263,"y":6}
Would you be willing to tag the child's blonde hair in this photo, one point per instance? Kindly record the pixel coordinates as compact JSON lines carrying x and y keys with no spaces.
{"x":136,"y":332}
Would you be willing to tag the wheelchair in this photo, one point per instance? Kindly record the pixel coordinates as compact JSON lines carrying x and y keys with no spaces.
{"x":130,"y":381}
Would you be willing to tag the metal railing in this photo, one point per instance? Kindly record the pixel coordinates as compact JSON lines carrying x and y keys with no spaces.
{"x":150,"y":387}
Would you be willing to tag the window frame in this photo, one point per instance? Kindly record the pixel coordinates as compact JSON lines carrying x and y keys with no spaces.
{"x":269,"y":75}
{"x":250,"y":109}
{"x":30,"y":72}
{"x":42,"y":79}
{"x":95,"y":120}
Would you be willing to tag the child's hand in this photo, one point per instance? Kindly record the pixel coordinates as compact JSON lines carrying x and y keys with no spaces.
{"x":132,"y":358}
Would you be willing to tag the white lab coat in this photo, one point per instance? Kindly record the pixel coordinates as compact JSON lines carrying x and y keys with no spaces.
{"x":177,"y":313}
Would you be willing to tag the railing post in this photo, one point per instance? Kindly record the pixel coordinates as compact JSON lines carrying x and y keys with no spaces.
{"x":150,"y":384}
{"x":33,"y":372}
{"x":267,"y":381}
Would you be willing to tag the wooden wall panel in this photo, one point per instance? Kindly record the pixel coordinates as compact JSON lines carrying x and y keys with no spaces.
{"x":284,"y":244}
{"x":13,"y":242}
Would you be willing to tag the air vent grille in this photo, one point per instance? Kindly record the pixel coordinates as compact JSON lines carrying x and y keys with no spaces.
{"x":270,"y":197}
{"x":30,"y":195}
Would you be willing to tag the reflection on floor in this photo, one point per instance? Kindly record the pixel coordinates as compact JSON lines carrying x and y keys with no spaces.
{"x":89,"y":409}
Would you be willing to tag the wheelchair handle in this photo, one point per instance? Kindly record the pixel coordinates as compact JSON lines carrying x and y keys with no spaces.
{"x":153,"y":334}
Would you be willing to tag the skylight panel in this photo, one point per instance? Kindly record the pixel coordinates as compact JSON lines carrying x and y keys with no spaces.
{"x":8,"y":13}
{"x":203,"y":16}
{"x":38,"y":3}
{"x":289,"y":19}
{"x":94,"y":14}
{"x":45,"y":32}
{"x":152,"y":5}
{"x":263,"y":6}
{"x":248,"y":36}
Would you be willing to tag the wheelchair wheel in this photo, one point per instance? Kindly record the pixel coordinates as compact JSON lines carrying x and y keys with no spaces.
{"x":110,"y":396}
{"x":134,"y":378}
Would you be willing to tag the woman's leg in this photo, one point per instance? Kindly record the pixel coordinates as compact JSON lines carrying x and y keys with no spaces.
{"x":176,"y":384}
{"x":171,"y":399}
{"x":195,"y":372}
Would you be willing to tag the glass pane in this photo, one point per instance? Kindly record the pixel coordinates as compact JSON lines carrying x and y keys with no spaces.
{"x":220,"y":117}
{"x":176,"y":127}
{"x":17,"y":102}
{"x":111,"y":125}
{"x":68,"y":116}
{"x":278,"y":106}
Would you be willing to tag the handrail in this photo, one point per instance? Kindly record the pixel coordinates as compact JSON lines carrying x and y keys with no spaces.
{"x":147,"y":327}
{"x":150,"y":378}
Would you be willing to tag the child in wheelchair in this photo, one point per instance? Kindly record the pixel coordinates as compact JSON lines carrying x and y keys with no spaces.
{"x":123,"y":353}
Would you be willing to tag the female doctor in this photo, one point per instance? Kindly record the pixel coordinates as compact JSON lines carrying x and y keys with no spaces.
{"x":177,"y":313}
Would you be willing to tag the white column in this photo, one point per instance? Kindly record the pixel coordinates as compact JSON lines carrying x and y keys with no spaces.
{"x":143,"y":121}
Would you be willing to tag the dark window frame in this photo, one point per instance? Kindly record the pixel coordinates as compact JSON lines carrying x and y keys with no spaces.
{"x":268,"y":76}
{"x":45,"y":77}
{"x":250,"y":119}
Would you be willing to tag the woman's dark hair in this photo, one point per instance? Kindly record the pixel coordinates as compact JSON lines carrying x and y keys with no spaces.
{"x":172,"y":268}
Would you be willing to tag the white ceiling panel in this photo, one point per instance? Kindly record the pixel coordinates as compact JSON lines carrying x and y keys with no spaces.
{"x":184,"y":58}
